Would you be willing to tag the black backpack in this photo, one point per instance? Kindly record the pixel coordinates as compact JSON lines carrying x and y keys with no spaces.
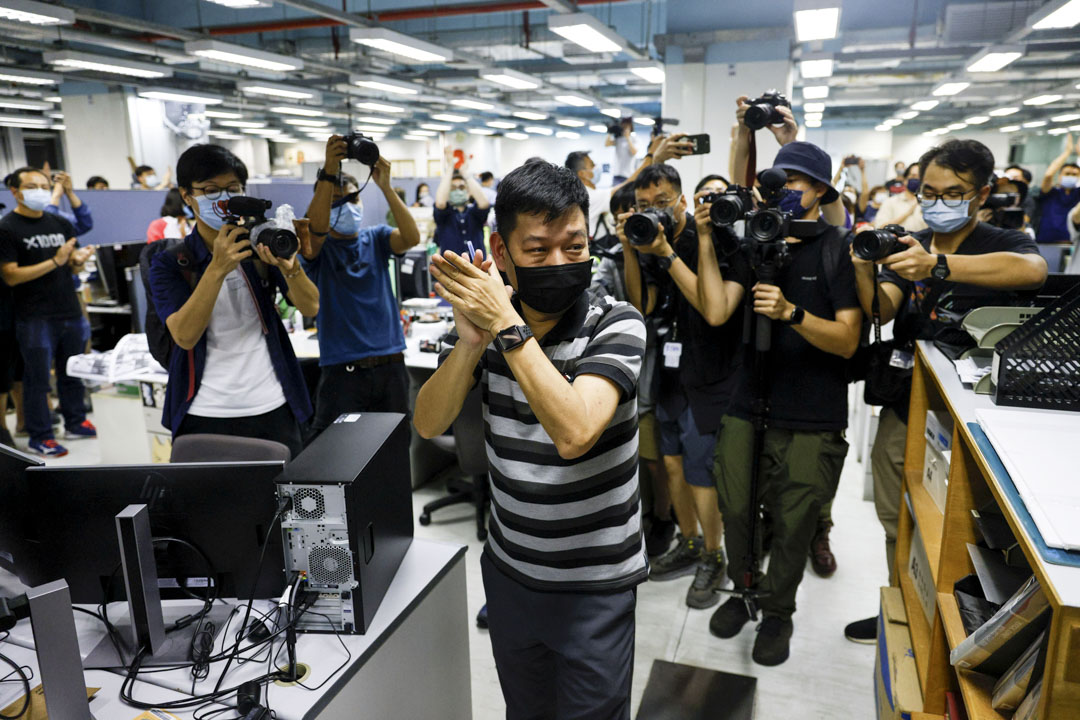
{"x":158,"y":336}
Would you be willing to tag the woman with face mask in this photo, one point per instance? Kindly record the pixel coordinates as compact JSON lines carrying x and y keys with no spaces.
{"x":423,"y":196}
{"x":903,"y":208}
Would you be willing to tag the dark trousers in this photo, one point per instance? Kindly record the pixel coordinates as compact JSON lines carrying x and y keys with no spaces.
{"x":279,"y":425}
{"x":799,"y":472}
{"x":347,"y":388}
{"x":45,"y":342}
{"x":560,"y":656}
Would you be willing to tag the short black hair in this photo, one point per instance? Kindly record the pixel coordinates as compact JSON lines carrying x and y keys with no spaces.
{"x":14,"y":180}
{"x":1024,"y":172}
{"x":486,"y":175}
{"x":963,"y":157}
{"x":576,"y":160}
{"x":1072,"y":165}
{"x":653,"y":174}
{"x":94,"y":180}
{"x":202,"y":162}
{"x":622,"y":200}
{"x":912,"y":166}
{"x":538,"y":187}
{"x":143,"y":169}
{"x":173,"y":205}
{"x":709,"y":179}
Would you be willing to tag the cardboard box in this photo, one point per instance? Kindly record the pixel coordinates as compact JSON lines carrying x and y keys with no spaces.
{"x":939,"y":429}
{"x":936,"y":474}
{"x":896,"y":680}
{"x":918,"y":570}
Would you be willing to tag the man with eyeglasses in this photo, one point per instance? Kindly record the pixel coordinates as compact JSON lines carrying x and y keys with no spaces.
{"x":956,"y":265}
{"x":362,"y":368}
{"x":232,"y":371}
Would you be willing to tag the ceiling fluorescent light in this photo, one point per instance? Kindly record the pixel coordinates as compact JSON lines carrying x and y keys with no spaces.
{"x":424,"y":133}
{"x":28,"y":77}
{"x":893,"y":122}
{"x":909,"y":115}
{"x":241,"y":4}
{"x":263,"y":132}
{"x":924,"y":105}
{"x":587,"y":31}
{"x":994,"y":58}
{"x":290,"y":92}
{"x":575,"y":100}
{"x":296,"y":110}
{"x":977,"y":119}
{"x":501,"y":124}
{"x":812,"y":123}
{"x":472,"y":104}
{"x":374,"y":129}
{"x":53,"y":98}
{"x":1002,"y":112}
{"x":813,"y":107}
{"x":376,"y":120}
{"x":35,"y":13}
{"x":224,"y":135}
{"x":1067,"y":117}
{"x":529,"y":115}
{"x":950,"y":88}
{"x":304,"y":122}
{"x":650,"y":72}
{"x":414,"y":137}
{"x":815,"y":92}
{"x":516,"y":136}
{"x":481,"y":131}
{"x":223,"y":114}
{"x":817,"y":23}
{"x":1057,"y":131}
{"x":241,"y":124}
{"x":598,"y":128}
{"x":648,"y":121}
{"x":610,"y":112}
{"x":510,"y":78}
{"x":400,"y":44}
{"x":568,"y":122}
{"x":66,"y":60}
{"x":15,"y":103}
{"x":568,"y":135}
{"x":448,"y":117}
{"x":813,"y":116}
{"x":378,"y":107}
{"x":816,"y":68}
{"x":243,"y":56}
{"x":538,"y":130}
{"x":1074,"y":128}
{"x":1042,"y":99}
{"x":1009,"y":128}
{"x":180,"y":96}
{"x":436,"y":126}
{"x":956,"y":126}
{"x":1055,"y":15}
{"x":883,"y":128}
{"x":23,"y":120}
{"x":56,"y":115}
{"x":383,"y":84}
{"x":1035,"y":124}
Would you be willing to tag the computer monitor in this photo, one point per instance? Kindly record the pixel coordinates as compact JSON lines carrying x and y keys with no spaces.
{"x":414,"y":278}
{"x":112,"y":262}
{"x":13,"y":464}
{"x":224,"y":509}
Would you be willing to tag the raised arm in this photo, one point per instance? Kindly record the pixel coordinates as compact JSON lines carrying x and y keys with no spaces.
{"x":998,"y":270}
{"x":406,"y":234}
{"x":319,"y":208}
{"x":719,"y":298}
{"x":442,"y":194}
{"x":1055,"y":167}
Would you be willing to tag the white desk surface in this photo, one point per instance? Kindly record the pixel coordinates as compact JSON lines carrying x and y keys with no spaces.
{"x":307,"y":347}
{"x":964,"y":403}
{"x":423,"y":566}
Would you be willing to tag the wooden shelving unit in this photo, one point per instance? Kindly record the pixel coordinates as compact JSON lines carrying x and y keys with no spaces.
{"x":972,"y":484}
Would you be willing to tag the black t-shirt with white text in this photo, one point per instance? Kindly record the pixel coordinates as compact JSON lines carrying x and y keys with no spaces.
{"x":29,"y":241}
{"x":807,"y":386}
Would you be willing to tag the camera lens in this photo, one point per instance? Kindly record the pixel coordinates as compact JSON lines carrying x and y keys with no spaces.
{"x":765,"y":225}
{"x":875,"y":245}
{"x":361,"y":148}
{"x":641,"y":228}
{"x":757,"y":116}
{"x":726,"y":210}
{"x":281,"y":243}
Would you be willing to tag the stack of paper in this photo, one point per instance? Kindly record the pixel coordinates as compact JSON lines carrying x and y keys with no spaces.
{"x":129,"y":360}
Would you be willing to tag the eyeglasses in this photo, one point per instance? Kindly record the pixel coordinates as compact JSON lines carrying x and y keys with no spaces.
{"x":214,"y":193}
{"x":950,"y":199}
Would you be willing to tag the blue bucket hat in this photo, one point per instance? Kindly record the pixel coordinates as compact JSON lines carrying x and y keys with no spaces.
{"x":811,"y":161}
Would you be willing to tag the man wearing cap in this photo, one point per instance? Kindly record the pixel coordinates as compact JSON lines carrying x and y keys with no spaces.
{"x":816,"y":318}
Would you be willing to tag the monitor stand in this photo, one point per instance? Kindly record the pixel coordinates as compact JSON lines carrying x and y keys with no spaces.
{"x":57,"y":647}
{"x":144,"y":627}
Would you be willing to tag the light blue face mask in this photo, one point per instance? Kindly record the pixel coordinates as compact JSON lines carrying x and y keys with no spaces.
{"x":459,"y":197}
{"x":1069,"y":181}
{"x":942,"y":219}
{"x":36,"y":198}
{"x":345,"y":219}
{"x":208,"y":211}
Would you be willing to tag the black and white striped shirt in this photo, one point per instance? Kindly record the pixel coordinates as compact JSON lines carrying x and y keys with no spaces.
{"x":556,"y":524}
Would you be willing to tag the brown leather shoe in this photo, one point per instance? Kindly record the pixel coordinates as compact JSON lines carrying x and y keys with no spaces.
{"x":821,"y":557}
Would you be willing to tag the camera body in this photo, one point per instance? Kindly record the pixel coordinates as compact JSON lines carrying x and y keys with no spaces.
{"x":763,"y":110}
{"x":876,"y":245}
{"x":1007,"y":212}
{"x":250,"y":213}
{"x":361,"y":148}
{"x":641,"y":228}
{"x":729,"y":206}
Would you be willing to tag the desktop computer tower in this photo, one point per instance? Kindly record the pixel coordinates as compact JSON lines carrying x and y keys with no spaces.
{"x":351,"y":518}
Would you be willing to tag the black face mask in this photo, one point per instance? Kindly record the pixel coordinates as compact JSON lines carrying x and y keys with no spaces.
{"x":551,"y":289}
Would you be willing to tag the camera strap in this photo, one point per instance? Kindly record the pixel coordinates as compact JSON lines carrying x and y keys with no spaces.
{"x":751,"y":161}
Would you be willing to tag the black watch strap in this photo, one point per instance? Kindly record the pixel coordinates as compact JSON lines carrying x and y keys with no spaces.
{"x":797,"y":316}
{"x":512,"y":337}
{"x":941,"y":270}
{"x":666,"y":261}
{"x":327,"y":177}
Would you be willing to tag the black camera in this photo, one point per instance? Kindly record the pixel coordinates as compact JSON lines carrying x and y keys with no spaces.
{"x":876,"y":245}
{"x":729,"y":206}
{"x":641,"y":228}
{"x":250,"y":213}
{"x":763,"y":111}
{"x":361,"y":148}
{"x":1007,"y":212}
{"x":767,"y":224}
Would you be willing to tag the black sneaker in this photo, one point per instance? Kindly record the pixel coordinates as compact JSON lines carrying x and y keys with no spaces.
{"x":729,"y":618}
{"x":709,"y":579}
{"x":773,"y":644}
{"x":678,"y":561}
{"x":658,"y":540}
{"x":862,"y":631}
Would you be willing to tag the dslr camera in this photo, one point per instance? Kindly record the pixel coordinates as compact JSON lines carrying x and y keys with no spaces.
{"x":876,"y":245}
{"x":361,"y":148}
{"x":1006,"y":210}
{"x":641,"y":228}
{"x":729,"y":206}
{"x":763,"y":111}
{"x":250,"y":213}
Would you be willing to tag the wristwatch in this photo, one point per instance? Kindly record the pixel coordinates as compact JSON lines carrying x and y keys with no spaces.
{"x":512,"y":337}
{"x":327,"y":177}
{"x":665,"y":262}
{"x":797,"y":316}
{"x":941,"y":270}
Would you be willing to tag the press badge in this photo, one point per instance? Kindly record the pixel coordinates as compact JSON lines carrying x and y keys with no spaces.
{"x":672,"y":353}
{"x":902,"y":360}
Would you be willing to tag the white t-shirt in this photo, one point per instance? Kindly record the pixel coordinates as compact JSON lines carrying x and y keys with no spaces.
{"x":624,"y":161}
{"x":599,"y":203}
{"x":239,"y":379}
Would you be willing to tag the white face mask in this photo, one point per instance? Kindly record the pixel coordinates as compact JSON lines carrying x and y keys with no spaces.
{"x":881,"y":197}
{"x":36,"y":199}
{"x":151,"y":180}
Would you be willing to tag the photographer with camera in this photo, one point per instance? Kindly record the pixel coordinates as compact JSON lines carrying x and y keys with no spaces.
{"x":457,"y":221}
{"x":79,"y":217}
{"x":929,"y":281}
{"x":903,"y":208}
{"x":790,"y":400}
{"x":361,"y":343}
{"x":695,"y":372}
{"x":620,"y":136}
{"x":1004,"y":208}
{"x":1056,"y":201}
{"x":232,"y":370}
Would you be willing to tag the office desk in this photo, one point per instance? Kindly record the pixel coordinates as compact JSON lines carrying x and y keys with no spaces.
{"x":412,"y":663}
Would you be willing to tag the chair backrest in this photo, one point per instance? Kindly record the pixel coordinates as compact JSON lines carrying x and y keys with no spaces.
{"x":209,"y":447}
{"x":469,"y":435}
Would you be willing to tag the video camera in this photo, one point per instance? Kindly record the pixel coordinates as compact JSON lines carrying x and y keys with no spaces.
{"x":1007,"y":212}
{"x":763,"y":111}
{"x":250,"y":213}
{"x":876,"y":245}
{"x":641,"y":228}
{"x":361,"y":148}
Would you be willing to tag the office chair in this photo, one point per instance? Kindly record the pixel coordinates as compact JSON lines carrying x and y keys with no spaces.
{"x":209,"y":447}
{"x":468,"y":444}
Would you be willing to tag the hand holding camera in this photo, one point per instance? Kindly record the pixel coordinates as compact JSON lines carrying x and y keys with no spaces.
{"x":703,"y":202}
{"x":911,"y":263}
{"x":771,"y":110}
{"x":381,"y":174}
{"x":231,"y":247}
{"x":336,"y":151}
{"x":648,"y":231}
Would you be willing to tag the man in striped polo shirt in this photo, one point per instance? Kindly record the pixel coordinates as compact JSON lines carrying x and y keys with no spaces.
{"x":559,"y":374}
